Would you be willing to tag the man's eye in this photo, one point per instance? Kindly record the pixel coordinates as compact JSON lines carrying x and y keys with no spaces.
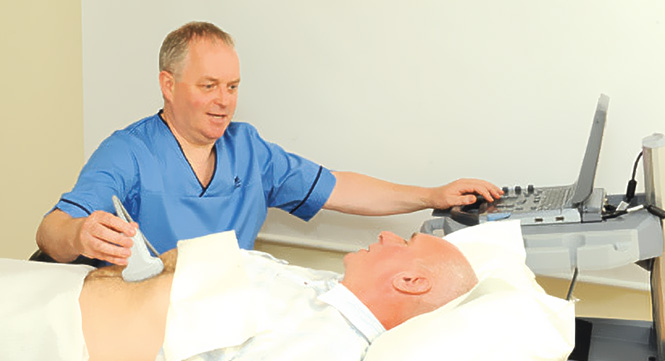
{"x":208,"y":86}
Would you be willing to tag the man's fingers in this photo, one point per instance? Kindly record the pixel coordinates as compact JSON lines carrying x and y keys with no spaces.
{"x":487,"y":194}
{"x":465,"y":191}
{"x":112,"y":246}
{"x":117,"y":261}
{"x":109,"y":252}
{"x":113,"y":253}
{"x":105,"y":237}
{"x":102,"y":232}
{"x":113,"y":222}
{"x":486,"y":189}
{"x":469,"y":199}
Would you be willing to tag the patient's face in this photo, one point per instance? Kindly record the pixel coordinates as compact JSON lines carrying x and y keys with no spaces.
{"x":398,"y":279}
{"x":392,"y":254}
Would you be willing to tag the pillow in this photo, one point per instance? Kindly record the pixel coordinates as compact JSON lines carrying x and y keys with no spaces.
{"x":496,"y":249}
{"x":507,"y":316}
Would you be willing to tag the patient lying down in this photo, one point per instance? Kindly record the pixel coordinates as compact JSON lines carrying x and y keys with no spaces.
{"x":394,"y":280}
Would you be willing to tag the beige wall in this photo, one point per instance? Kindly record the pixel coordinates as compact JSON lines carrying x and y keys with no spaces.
{"x":41,"y":141}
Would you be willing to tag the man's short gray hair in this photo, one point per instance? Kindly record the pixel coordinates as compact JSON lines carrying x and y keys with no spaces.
{"x":176,"y":44}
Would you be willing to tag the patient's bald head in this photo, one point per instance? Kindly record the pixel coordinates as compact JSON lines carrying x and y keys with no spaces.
{"x":398,"y":279}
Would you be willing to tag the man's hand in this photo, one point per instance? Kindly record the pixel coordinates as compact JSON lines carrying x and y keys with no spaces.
{"x":101,"y":235}
{"x":104,"y":236}
{"x":462,"y":192}
{"x":356,"y":193}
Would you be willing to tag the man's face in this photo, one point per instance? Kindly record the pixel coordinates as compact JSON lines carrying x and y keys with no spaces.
{"x":392,"y":254}
{"x":205,"y":91}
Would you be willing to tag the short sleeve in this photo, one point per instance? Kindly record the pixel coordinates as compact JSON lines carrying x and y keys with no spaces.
{"x":111,"y":170}
{"x":291,"y":182}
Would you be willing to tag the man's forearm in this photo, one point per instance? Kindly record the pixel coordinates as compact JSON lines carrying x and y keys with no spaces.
{"x":56,"y":235}
{"x":356,"y":193}
{"x":360,"y":194}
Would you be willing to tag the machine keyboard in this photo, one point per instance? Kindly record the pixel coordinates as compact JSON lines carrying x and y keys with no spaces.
{"x":531,"y":199}
{"x":552,"y":198}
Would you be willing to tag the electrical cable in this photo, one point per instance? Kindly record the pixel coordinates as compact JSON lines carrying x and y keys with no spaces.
{"x":632,"y":183}
{"x":625,"y":211}
{"x":656,"y":211}
{"x":616,"y":211}
{"x":572,"y":284}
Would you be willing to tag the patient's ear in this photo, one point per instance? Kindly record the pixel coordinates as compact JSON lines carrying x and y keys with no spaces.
{"x":411,"y":283}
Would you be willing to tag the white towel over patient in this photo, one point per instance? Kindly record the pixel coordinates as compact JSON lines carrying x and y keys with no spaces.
{"x":212,"y":303}
{"x":231,"y":304}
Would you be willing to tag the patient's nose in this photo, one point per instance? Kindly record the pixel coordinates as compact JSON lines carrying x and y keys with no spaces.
{"x":386,"y":237}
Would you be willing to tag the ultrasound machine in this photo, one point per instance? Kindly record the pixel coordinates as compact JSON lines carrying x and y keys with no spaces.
{"x":577,"y":228}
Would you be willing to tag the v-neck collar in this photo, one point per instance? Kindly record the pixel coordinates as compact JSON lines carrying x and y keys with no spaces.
{"x":204,"y":188}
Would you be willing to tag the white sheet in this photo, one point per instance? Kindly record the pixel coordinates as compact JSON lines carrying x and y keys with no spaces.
{"x":40,"y":318}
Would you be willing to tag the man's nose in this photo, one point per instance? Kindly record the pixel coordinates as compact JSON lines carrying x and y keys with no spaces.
{"x":223,"y":97}
{"x":386,"y":237}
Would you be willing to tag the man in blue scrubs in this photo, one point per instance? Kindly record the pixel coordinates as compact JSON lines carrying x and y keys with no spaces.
{"x":188,"y":170}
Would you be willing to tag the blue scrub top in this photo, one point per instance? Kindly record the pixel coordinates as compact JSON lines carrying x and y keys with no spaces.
{"x":145,"y":167}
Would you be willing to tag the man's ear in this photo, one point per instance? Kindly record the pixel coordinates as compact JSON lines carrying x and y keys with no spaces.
{"x":167,"y":84}
{"x":411,"y":283}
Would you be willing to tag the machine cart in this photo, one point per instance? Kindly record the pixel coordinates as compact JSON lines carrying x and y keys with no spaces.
{"x":635,"y":237}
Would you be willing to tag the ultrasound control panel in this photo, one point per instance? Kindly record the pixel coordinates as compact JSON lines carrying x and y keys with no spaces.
{"x":541,"y":205}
